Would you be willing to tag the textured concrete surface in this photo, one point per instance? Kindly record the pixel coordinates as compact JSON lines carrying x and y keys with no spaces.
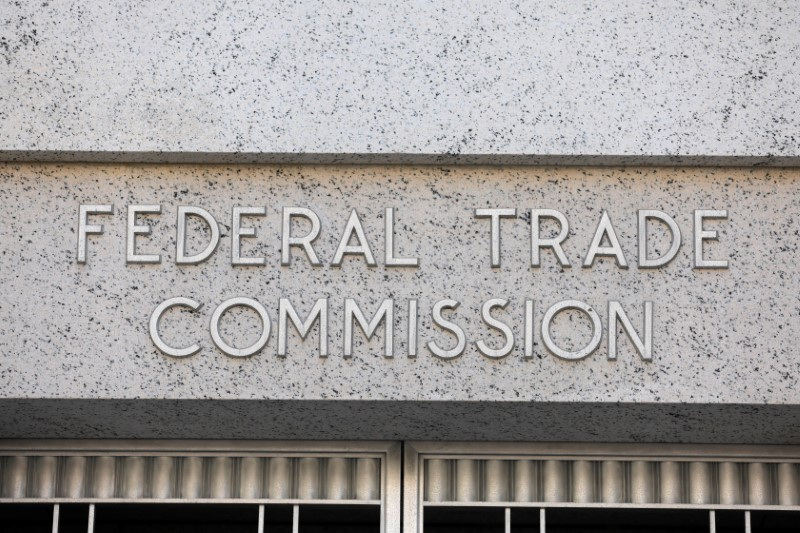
{"x":678,"y":81}
{"x":79,"y":331}
{"x":407,"y":420}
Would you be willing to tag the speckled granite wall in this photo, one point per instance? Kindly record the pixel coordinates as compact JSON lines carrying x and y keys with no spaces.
{"x":245,"y":80}
{"x":724,"y":340}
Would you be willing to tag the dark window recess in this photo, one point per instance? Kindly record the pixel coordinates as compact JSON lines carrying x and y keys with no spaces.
{"x":730,"y":521}
{"x":627,"y":521}
{"x":232,"y":518}
{"x":577,"y":520}
{"x":26,"y":518}
{"x":339,"y":519}
{"x":775,"y":521}
{"x":73,"y":518}
{"x":189,"y":518}
{"x":464,"y":520}
{"x":180,"y":518}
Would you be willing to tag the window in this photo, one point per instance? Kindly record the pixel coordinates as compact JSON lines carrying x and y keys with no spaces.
{"x":309,"y":487}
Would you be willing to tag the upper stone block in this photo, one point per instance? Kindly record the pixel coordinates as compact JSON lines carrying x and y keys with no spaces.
{"x":507,"y":81}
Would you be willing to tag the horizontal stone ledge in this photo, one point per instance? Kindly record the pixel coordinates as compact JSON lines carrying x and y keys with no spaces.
{"x":385,"y":158}
{"x":400,"y":420}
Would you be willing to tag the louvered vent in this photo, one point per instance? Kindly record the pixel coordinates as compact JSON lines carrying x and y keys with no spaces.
{"x":109,"y":477}
{"x":612,"y":482}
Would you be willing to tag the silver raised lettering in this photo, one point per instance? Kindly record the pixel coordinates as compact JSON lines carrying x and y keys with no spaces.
{"x":701,"y":235}
{"x":597,"y":330}
{"x":155,"y":318}
{"x":439,"y":320}
{"x":605,"y":229}
{"x":305,"y":242}
{"x":362,"y":248}
{"x":238,"y":232}
{"x":554,"y":243}
{"x":318,"y":312}
{"x":495,"y":214}
{"x":185,"y":211}
{"x":486,"y":314}
{"x":84,"y":228}
{"x":135,"y":229}
{"x":384,"y":313}
{"x":226,"y":348}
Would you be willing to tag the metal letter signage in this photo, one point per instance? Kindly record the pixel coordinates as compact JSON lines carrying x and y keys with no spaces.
{"x":354,"y":230}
